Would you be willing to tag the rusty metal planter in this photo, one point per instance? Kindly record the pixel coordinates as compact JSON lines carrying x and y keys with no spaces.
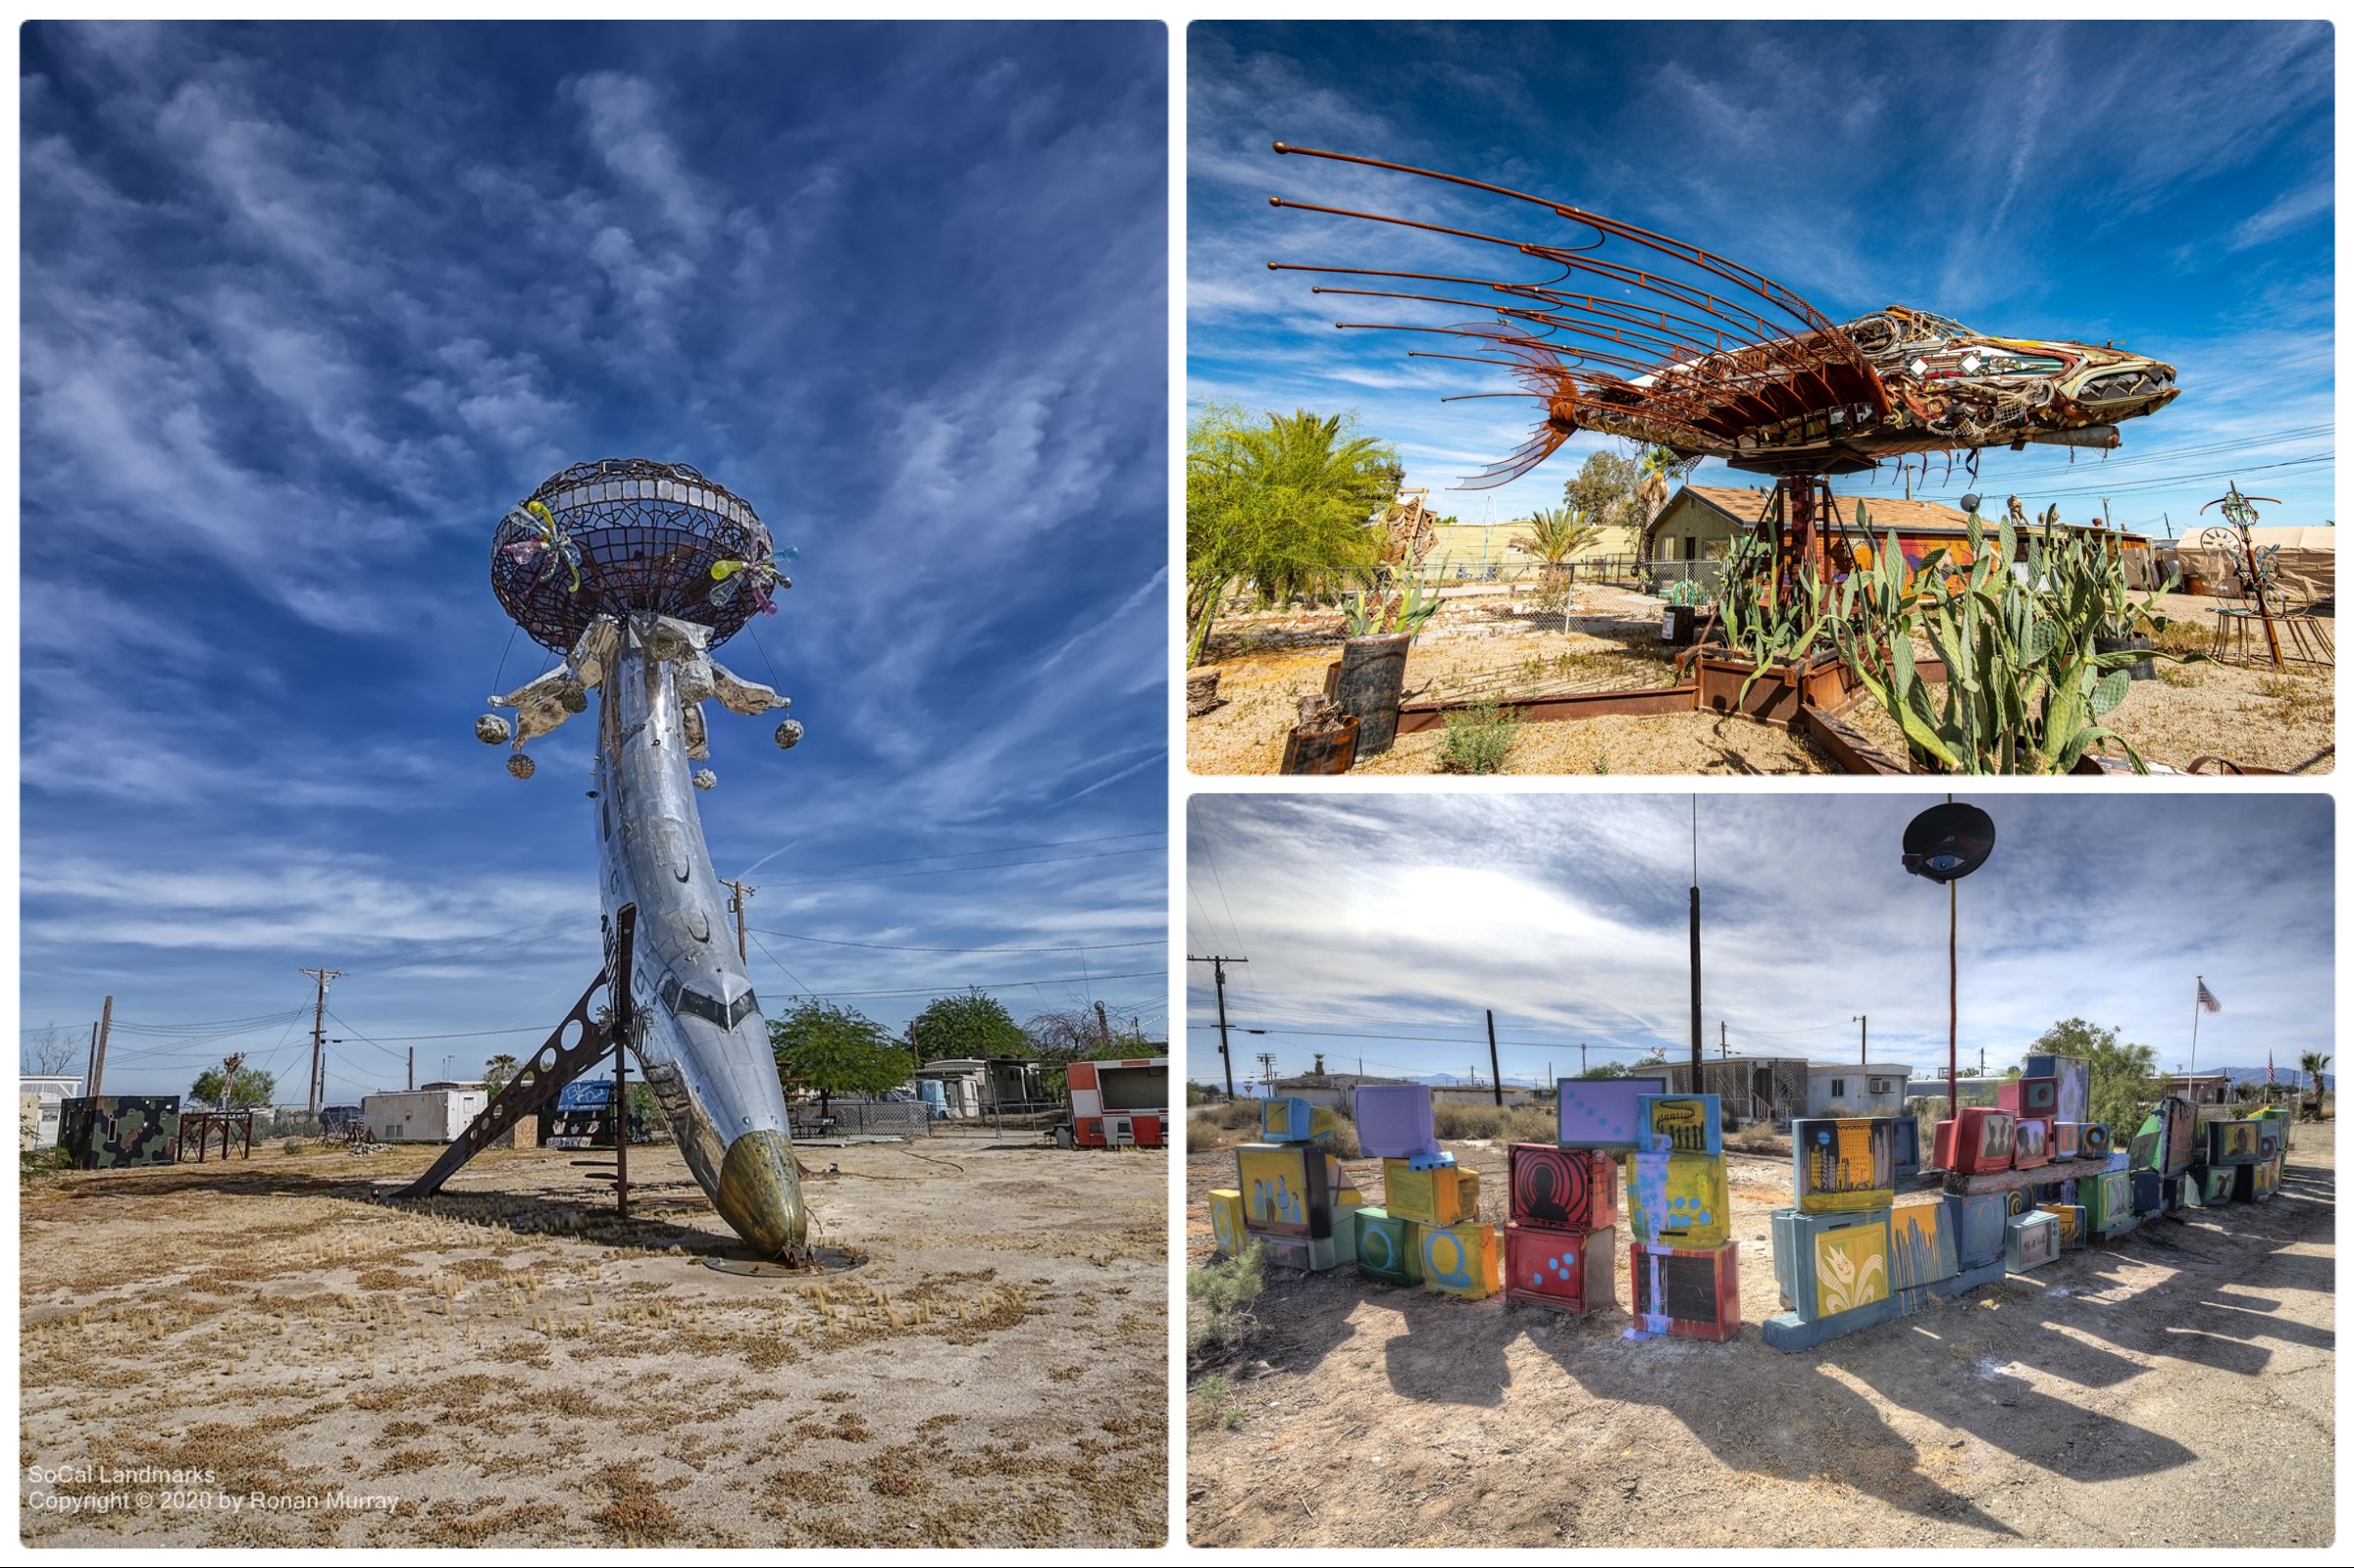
{"x":1321,"y":749}
{"x":1820,"y":681}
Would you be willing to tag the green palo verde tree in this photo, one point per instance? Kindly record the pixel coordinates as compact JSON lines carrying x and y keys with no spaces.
{"x":2025,"y":689}
{"x":836,"y":1051}
{"x":252,"y":1091}
{"x":972,"y":1025}
{"x":2124,"y":1076}
{"x":1282,"y":503}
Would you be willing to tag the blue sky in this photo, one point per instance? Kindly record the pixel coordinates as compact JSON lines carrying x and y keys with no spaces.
{"x":305,"y":310}
{"x":2166,"y":186}
{"x":1370,"y":917}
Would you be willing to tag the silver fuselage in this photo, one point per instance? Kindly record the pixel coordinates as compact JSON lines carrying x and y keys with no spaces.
{"x":699,"y":1034}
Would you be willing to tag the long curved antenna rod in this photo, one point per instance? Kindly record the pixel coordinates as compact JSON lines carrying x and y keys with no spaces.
{"x":1713,"y":362}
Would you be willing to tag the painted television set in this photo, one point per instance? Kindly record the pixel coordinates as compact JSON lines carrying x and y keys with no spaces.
{"x":1461,"y":1260}
{"x":1828,"y":1264}
{"x":1601,"y":1113}
{"x":2030,"y":1240}
{"x":1691,"y":1293}
{"x":2030,"y":1143}
{"x":1226,"y":1222}
{"x":1439,"y":1194}
{"x":2068,"y":1139}
{"x":1387,"y":1248}
{"x":1977,"y":1142}
{"x":1394,"y":1121}
{"x":1977,"y":1220}
{"x":1678,"y":1201}
{"x":1287,"y":1189}
{"x":1569,"y":1271}
{"x":2232,"y":1142}
{"x":1907,"y":1147}
{"x":1924,"y":1246}
{"x":1288,"y":1119}
{"x":1565,"y":1189}
{"x":2092,"y":1140}
{"x":2023,"y":1097}
{"x":1843,"y":1164}
{"x":1679,"y":1124}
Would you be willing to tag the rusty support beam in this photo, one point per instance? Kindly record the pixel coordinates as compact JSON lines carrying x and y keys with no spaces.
{"x":1845,"y":745}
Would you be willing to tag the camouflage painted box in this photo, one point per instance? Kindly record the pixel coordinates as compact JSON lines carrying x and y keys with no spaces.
{"x":112,"y":1131}
{"x":1826,"y":1264}
{"x":1678,"y":1124}
{"x":1226,"y":1220}
{"x":1461,"y":1260}
{"x":1678,"y":1201}
{"x":1569,"y":1271}
{"x":1692,"y":1293}
{"x":1924,"y":1244}
{"x":1447,"y":1194}
{"x":1387,"y":1248}
{"x":1290,"y":1119}
{"x":1843,"y":1165}
{"x":2029,"y":1240}
{"x":1287,"y":1189}
{"x":1567,"y":1190}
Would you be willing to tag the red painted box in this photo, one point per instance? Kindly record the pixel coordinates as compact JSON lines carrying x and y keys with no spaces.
{"x":1564,"y":1188}
{"x":2030,"y":1143}
{"x":1693,"y":1292}
{"x":1976,"y":1144}
{"x":1569,"y":1271}
{"x":2029,"y":1097}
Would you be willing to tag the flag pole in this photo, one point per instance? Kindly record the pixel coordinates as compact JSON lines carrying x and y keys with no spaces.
{"x":2194,"y":1024}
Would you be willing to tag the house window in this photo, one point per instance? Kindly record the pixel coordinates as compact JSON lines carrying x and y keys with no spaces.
{"x":1838,"y":1088}
{"x":1880,"y":1085}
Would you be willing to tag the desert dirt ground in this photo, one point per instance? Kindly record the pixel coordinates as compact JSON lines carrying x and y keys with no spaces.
{"x":1489,"y":645}
{"x":510,"y":1365}
{"x":2156,"y":1391}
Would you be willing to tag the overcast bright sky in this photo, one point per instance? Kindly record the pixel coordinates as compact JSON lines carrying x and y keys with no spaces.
{"x":2166,"y":186}
{"x":1381,"y":926}
{"x":306,"y":309}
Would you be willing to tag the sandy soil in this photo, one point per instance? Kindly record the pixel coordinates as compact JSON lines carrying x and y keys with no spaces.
{"x":1490,"y":646}
{"x":512,"y":1366}
{"x":2158,"y":1392}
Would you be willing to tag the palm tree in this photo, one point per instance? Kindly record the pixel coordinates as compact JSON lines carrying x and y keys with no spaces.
{"x":1284,"y":505}
{"x":1662,"y":468}
{"x":2313,"y":1062}
{"x":1556,"y":534}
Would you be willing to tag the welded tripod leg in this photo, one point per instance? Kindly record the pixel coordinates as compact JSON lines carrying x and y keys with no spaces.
{"x":554,"y":1066}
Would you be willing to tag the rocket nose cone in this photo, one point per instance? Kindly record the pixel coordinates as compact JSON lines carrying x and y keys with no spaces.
{"x":760,"y":1193}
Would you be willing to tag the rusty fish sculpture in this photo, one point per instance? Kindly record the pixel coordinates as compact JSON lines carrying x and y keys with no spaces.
{"x":1701,"y":355}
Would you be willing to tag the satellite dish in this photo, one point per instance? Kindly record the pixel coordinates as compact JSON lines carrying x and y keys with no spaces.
{"x":1948,"y":842}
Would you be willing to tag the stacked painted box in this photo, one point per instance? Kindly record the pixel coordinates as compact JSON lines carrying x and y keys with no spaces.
{"x":1290,"y":1193}
{"x":1426,"y":1231}
{"x":1560,"y":1247}
{"x":1684,"y":1262}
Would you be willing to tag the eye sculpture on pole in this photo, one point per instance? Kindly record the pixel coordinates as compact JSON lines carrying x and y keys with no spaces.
{"x":1946,"y":844}
{"x":632,"y":572}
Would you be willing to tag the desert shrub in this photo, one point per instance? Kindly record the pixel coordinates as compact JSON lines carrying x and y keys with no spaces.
{"x":1238,"y":1113}
{"x":1512,"y":1124}
{"x":292,"y":1145}
{"x":1478,"y":740}
{"x":1343,"y":1145}
{"x":1218,"y":1297}
{"x":1214,"y":1397}
{"x":1757,"y":1138}
{"x":1203,"y":1131}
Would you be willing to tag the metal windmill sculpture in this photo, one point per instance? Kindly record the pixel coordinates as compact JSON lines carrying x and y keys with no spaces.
{"x":1679,"y":349}
{"x":632,"y":572}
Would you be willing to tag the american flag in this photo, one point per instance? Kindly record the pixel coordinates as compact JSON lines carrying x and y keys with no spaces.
{"x":2207,"y":999}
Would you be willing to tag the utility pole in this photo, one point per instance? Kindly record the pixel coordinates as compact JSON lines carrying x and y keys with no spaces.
{"x":1581,"y":1058}
{"x":89,"y":1069}
{"x":1723,"y":1051}
{"x":1217,"y":968}
{"x":319,"y":1035}
{"x":411,"y":1067}
{"x":1266,"y":1071}
{"x":1102,"y":1023}
{"x":1695,"y":944}
{"x":1494,"y":1068}
{"x":736,"y":905}
{"x":1864,"y":1048}
{"x":106,"y":1024}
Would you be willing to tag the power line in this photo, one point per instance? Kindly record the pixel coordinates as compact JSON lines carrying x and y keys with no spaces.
{"x":888,"y":947}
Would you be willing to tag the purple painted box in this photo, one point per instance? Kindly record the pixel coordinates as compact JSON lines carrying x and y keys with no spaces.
{"x":1393,"y":1121}
{"x":1600,"y":1112}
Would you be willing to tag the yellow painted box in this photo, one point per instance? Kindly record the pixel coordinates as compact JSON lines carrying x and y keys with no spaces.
{"x":1284,"y":1188}
{"x":1461,"y":1260}
{"x":1679,"y":1199}
{"x":1226,"y":1220}
{"x":1446,"y":1195}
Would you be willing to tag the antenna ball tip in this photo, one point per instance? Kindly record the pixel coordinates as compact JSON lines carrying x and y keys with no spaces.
{"x":1280,"y":147}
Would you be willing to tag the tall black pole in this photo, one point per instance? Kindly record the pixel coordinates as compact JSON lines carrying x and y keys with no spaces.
{"x":1953,"y":1010}
{"x":1696,"y":988}
{"x":1494,"y":1071}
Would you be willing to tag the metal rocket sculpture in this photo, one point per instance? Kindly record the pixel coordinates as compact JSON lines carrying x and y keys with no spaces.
{"x":1703,"y":356}
{"x":633,"y":572}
